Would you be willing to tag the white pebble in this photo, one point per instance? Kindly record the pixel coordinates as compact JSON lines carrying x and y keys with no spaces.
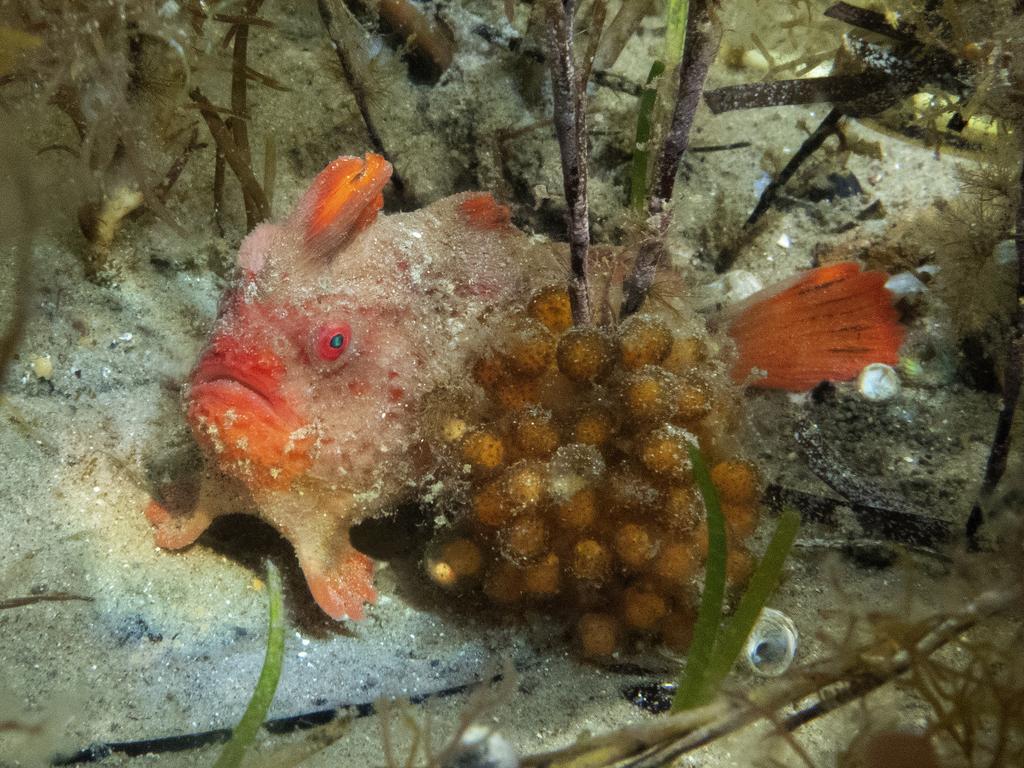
{"x":755,"y":60}
{"x":904,"y":284}
{"x":878,"y":382}
{"x":736,"y":285}
{"x":784,"y":241}
{"x":481,"y":747}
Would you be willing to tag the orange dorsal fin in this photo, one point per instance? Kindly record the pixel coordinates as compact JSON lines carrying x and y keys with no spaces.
{"x":481,"y":211}
{"x":825,"y":324}
{"x":342,"y":201}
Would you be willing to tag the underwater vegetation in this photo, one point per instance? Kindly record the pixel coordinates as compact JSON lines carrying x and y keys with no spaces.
{"x":538,"y":377}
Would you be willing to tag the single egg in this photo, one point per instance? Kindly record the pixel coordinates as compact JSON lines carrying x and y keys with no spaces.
{"x":484,"y":451}
{"x":649,"y":395}
{"x":543,"y":579}
{"x":737,"y":482}
{"x":529,"y":350}
{"x":666,"y":452}
{"x":584,"y":354}
{"x":634,"y":545}
{"x":593,"y":427}
{"x":643,"y":340}
{"x":643,"y":609}
{"x":591,"y":560}
{"x":534,"y":433}
{"x":599,"y":635}
{"x":491,"y":506}
{"x":579,"y":511}
{"x":551,"y":307}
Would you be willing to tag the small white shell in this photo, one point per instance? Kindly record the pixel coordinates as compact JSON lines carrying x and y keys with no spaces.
{"x":481,"y":747}
{"x":735,"y":286}
{"x":878,"y":382}
{"x":904,"y":284}
{"x":771,"y":647}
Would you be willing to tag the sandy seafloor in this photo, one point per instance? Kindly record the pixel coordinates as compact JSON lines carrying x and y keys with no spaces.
{"x":171,"y":643}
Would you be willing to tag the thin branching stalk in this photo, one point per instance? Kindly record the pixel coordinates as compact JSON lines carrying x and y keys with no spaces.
{"x":810,"y":145}
{"x":1013,"y":374}
{"x":337,"y":18}
{"x":232,"y":156}
{"x":571,"y":129}
{"x":703,"y":35}
{"x":238,"y":123}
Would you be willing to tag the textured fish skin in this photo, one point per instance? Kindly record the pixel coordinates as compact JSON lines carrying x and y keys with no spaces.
{"x":310,"y":444}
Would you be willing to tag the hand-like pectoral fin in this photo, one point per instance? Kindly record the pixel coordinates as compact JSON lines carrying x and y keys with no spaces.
{"x":175,"y":529}
{"x":341,"y":583}
{"x":183,"y":512}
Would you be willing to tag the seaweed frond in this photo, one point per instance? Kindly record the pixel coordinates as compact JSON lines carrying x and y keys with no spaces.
{"x":247,"y":728}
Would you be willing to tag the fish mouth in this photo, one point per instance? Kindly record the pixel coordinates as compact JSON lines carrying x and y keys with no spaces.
{"x":215,"y":377}
{"x":239,"y":416}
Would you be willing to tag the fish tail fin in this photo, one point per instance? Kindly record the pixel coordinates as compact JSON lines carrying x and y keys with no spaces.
{"x":342,"y":201}
{"x":825,"y":324}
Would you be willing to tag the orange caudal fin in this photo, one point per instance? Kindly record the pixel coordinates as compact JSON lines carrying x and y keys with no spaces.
{"x":825,"y":324}
{"x":482,"y":211}
{"x":342,"y":201}
{"x":342,"y":586}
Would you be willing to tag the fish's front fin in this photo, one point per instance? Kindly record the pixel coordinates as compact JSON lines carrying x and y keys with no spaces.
{"x":342,"y":201}
{"x":342,"y":584}
{"x":481,"y":211}
{"x":825,"y":324}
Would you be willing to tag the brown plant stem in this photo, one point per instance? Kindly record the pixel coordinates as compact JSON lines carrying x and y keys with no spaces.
{"x":232,"y":156}
{"x":620,"y":30}
{"x":1013,"y":374}
{"x":238,"y":123}
{"x":703,"y":35}
{"x":571,"y":129}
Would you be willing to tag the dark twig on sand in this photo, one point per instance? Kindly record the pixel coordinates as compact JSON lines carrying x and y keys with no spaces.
{"x":336,"y":18}
{"x":163,"y":189}
{"x":571,"y":128}
{"x":235,"y":159}
{"x":811,"y":144}
{"x":703,"y":35}
{"x":1013,"y":374}
{"x":46,"y":597}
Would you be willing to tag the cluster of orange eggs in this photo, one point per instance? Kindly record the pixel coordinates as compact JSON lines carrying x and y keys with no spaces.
{"x":576,"y":486}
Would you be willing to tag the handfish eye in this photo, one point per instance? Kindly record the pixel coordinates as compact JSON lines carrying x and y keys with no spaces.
{"x":332,"y":341}
{"x":771,"y":647}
